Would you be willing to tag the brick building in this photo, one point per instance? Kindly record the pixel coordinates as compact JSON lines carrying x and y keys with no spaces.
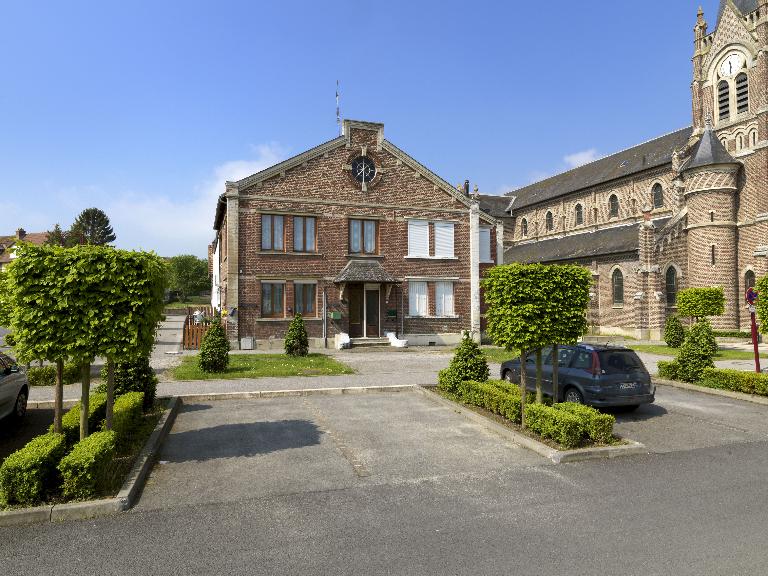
{"x":7,"y":244}
{"x":687,"y":209}
{"x":358,"y":237}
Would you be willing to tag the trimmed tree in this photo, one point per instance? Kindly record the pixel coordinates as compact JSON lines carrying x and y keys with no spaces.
{"x":214,"y":350}
{"x":296,"y":340}
{"x":701,"y":302}
{"x":696,"y":353}
{"x":674,"y":333}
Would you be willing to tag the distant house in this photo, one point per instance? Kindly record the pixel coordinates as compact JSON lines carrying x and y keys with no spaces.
{"x":7,"y":244}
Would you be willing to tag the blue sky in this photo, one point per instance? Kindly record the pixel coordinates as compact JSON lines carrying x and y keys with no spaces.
{"x":144,"y":109}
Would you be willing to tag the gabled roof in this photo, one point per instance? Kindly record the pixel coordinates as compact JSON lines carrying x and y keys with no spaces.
{"x":743,"y":6}
{"x":645,"y":156}
{"x":365,"y":271}
{"x":7,"y":242}
{"x":708,"y":151}
{"x":496,"y":206}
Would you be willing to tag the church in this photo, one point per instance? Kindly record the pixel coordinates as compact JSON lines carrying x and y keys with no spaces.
{"x":687,"y":209}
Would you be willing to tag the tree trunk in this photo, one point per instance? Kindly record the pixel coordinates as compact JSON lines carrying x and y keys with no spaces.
{"x":523,"y":381}
{"x":84,"y":396}
{"x":110,"y":392}
{"x":555,"y":371}
{"x":539,"y":370}
{"x":58,"y":397}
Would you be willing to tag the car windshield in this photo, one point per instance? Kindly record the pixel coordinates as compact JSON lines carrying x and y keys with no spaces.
{"x":619,"y":361}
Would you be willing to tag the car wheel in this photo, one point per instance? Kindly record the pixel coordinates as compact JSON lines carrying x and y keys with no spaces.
{"x":573,"y":395}
{"x":20,"y":408}
{"x":508,"y":376}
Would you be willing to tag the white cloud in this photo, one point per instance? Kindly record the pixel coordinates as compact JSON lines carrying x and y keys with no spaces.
{"x":579,"y":158}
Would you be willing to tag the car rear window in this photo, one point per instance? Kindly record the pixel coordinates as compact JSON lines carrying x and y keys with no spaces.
{"x":619,"y":361}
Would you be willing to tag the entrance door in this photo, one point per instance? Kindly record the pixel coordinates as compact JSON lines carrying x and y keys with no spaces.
{"x":356,"y":312}
{"x":372,"y":312}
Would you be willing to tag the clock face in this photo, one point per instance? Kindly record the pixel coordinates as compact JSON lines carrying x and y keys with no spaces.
{"x":363,"y":169}
{"x":732,"y":64}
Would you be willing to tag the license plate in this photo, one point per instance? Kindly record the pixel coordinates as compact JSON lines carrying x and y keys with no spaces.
{"x":627,"y":385}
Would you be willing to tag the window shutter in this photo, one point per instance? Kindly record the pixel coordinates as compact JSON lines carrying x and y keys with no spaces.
{"x":444,"y":239}
{"x":418,"y":238}
{"x":485,"y":245}
{"x":417,"y":298}
{"x":444,"y":299}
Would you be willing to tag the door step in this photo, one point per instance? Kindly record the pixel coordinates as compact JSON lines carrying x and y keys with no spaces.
{"x":367,"y":342}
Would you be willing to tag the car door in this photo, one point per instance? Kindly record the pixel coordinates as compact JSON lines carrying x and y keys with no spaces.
{"x":7,"y":388}
{"x":564,"y":354}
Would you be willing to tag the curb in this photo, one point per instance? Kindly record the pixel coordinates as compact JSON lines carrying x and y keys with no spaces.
{"x":713,"y":391}
{"x":290,"y":393}
{"x":556,"y":456}
{"x":46,"y":404}
{"x":93,"y":508}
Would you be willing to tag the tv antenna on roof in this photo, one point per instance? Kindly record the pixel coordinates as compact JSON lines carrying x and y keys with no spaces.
{"x":338,"y":109}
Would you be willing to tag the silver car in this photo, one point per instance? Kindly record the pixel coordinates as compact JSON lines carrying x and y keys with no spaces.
{"x":14,"y":389}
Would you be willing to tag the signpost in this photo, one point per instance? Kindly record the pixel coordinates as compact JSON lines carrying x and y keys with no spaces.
{"x":751,"y":298}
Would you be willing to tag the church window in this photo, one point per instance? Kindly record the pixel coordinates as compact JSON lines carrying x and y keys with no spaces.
{"x":723,"y":100}
{"x":594,"y":215}
{"x":753,"y":138}
{"x":671,"y":285}
{"x":617,"y":285}
{"x":524,"y":227}
{"x":749,"y":279}
{"x":613,"y":206}
{"x":742,"y":94}
{"x":579,"y":214}
{"x":550,"y":222}
{"x":657,"y":194}
{"x":740,"y":142}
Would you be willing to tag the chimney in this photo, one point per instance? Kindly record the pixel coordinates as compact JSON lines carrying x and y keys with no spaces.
{"x":466,"y":188}
{"x":21,"y":233}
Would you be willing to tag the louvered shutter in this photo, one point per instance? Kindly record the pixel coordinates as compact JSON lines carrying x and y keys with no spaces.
{"x":418,"y":238}
{"x":444,"y":239}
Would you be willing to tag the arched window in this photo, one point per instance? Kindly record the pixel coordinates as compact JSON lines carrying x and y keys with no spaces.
{"x":753,"y":138}
{"x":524,"y":227}
{"x":740,"y":142}
{"x":579,"y":214}
{"x":657,"y":196}
{"x":550,"y":222}
{"x":671,"y":284}
{"x":613,"y":206}
{"x":749,"y":279}
{"x":742,"y":93}
{"x":617,"y":284}
{"x":723,"y":100}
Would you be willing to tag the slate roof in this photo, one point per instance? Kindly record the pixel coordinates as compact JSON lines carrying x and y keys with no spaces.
{"x":365,"y":271}
{"x":744,"y":6}
{"x":496,"y":206}
{"x":651,"y":154}
{"x":616,"y":240}
{"x":708,"y":151}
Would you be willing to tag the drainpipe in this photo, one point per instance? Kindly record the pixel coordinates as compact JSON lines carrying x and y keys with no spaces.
{"x":474,"y":270}
{"x":325,"y":319}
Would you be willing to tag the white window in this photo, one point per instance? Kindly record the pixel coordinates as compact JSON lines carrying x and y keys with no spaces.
{"x":417,"y":298}
{"x":443,"y":239}
{"x":444,"y":299}
{"x":485,"y":245}
{"x":418,"y":238}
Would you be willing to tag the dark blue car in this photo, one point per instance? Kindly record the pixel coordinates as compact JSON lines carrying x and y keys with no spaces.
{"x":589,"y":374}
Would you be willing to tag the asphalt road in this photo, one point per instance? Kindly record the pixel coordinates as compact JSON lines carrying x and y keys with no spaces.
{"x":391,"y":484}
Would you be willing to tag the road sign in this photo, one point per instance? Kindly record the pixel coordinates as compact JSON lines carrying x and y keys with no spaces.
{"x":751,"y":296}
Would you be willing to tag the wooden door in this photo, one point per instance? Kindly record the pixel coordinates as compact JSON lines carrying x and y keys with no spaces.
{"x":356,"y":313}
{"x":372,"y":313}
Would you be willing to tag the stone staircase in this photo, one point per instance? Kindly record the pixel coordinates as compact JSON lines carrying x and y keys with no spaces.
{"x":369,"y":342}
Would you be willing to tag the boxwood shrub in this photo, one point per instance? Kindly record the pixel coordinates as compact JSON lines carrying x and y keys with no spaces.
{"x":468,"y":363}
{"x":126,"y":415}
{"x":598,"y":426}
{"x":735,"y":380}
{"x":70,"y":422}
{"x":28,"y":473}
{"x":561,"y":426}
{"x":41,"y":375}
{"x":134,"y":375}
{"x":83,"y":469}
{"x":492,"y":397}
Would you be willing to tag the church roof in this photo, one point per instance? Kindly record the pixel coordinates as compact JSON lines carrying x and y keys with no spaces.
{"x":616,"y":240}
{"x":648,"y":155}
{"x":744,"y":6}
{"x":708,"y":151}
{"x":496,"y":206}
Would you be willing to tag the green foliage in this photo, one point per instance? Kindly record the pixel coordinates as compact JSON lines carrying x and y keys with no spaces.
{"x":72,"y":373}
{"x":560,"y":425}
{"x":26,"y":474}
{"x":735,"y":380}
{"x":497,"y":399}
{"x":701,"y":302}
{"x":41,"y":376}
{"x":732,"y":334}
{"x":669,"y":370}
{"x":5,"y":302}
{"x":70,"y":422}
{"x":90,"y":227}
{"x":126,"y":416}
{"x":468,"y":363}
{"x":598,"y":426}
{"x":188,"y":275}
{"x":214,"y":350}
{"x":56,"y":237}
{"x":83,"y":468}
{"x":296,"y":341}
{"x":10,"y":339}
{"x":697,"y":352}
{"x":133,"y":375}
{"x":761,"y":286}
{"x":533,"y":305}
{"x":674,"y":333}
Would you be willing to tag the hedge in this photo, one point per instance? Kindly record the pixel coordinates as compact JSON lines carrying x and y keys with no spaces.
{"x":134,"y":375}
{"x":70,"y":422}
{"x":126,"y":415}
{"x":84,"y":467}
{"x":561,"y":426}
{"x":46,"y":375}
{"x":598,"y":426}
{"x":731,"y":334}
{"x":27,"y":473}
{"x":701,"y":302}
{"x":735,"y":380}
{"x":668,"y":369}
{"x":491,"y":397}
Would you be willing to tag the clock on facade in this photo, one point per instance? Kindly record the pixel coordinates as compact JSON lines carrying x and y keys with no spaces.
{"x":732,"y":64}
{"x":363,"y":169}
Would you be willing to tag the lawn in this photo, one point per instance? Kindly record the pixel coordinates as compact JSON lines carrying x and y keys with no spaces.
{"x":498,"y":355}
{"x":190,"y":301}
{"x":263,"y":365}
{"x":663,"y":350}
